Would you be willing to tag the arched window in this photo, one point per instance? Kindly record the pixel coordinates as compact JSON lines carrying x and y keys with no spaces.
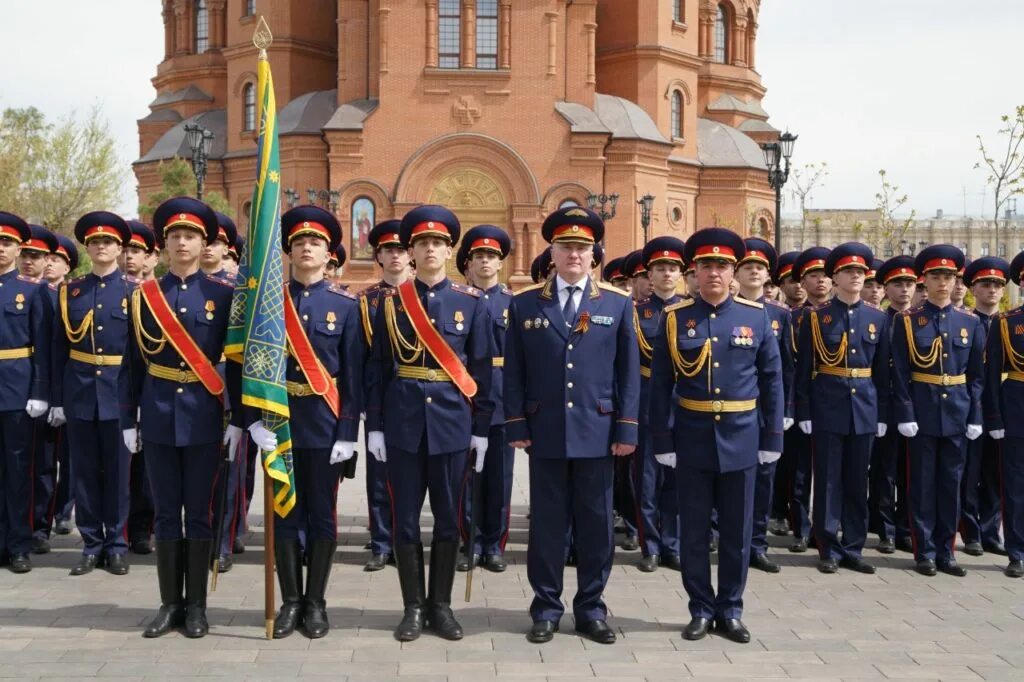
{"x":449,"y":31}
{"x":677,"y":114}
{"x":202,"y":25}
{"x":364,"y":216}
{"x":722,"y":35}
{"x":249,"y":107}
{"x":568,"y":203}
{"x":677,"y":11}
{"x":486,"y":34}
{"x":985,"y":250}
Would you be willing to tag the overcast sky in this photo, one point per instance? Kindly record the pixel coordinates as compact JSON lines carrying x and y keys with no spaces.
{"x":903,"y":85}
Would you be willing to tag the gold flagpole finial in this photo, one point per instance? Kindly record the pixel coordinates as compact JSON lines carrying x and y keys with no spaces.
{"x":262,"y":37}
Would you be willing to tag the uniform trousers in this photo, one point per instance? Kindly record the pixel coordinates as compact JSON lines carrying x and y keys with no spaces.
{"x":800,"y":495}
{"x":44,"y":469}
{"x":411,"y":476}
{"x":934,"y":468}
{"x":16,"y":436}
{"x":316,"y":498}
{"x":657,"y":509}
{"x":495,"y":494}
{"x":564,"y":491}
{"x":841,"y":492}
{"x":235,"y":502}
{"x":183,"y":478}
{"x":764,"y":489}
{"x":140,"y":508}
{"x":379,"y":506}
{"x":63,"y":501}
{"x":101,"y":465}
{"x":783,"y":485}
{"x":1011,"y":469}
{"x":882,"y":477}
{"x":980,"y":515}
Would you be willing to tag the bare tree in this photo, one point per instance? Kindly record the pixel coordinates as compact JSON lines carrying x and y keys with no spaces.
{"x":887,"y":235}
{"x":1006,"y":168}
{"x":804,"y":179}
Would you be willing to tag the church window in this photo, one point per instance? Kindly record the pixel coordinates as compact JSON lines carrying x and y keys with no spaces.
{"x":677,"y":10}
{"x":487,"y":34}
{"x":449,"y":34}
{"x":249,"y":107}
{"x":202,"y":27}
{"x":677,"y":114}
{"x":722,"y":35}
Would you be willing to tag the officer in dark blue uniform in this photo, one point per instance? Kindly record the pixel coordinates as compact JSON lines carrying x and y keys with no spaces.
{"x":181,"y":399}
{"x":842,"y":397}
{"x":654,"y":485}
{"x":1003,"y":403}
{"x":325,"y":422}
{"x":717,"y":406}
{"x":212,"y":260}
{"x":393,"y":259}
{"x":937,"y":352}
{"x":981,"y":516}
{"x":485,"y":248}
{"x":430,"y":401}
{"x":887,"y":480}
{"x":752,"y":272}
{"x":572,"y":392}
{"x":89,"y":347}
{"x":25,"y":355}
{"x":614,"y":275}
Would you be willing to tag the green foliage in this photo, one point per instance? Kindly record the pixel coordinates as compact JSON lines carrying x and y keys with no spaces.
{"x":887,"y":234}
{"x":1005,"y":168}
{"x":178,"y":180}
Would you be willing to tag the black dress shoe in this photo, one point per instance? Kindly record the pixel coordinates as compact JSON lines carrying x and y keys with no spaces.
{"x":974,"y":549}
{"x":855,"y":563}
{"x":734,"y":629}
{"x":40,"y":545}
{"x":671,"y":560}
{"x":377,"y":562}
{"x":648,"y":564}
{"x":926,"y":567}
{"x":62,"y":527}
{"x":142,"y":546}
{"x":828,"y":565}
{"x":495,"y":563}
{"x":697,"y":629}
{"x":368,"y":545}
{"x":542,"y":631}
{"x":238,"y":546}
{"x":86,"y":563}
{"x":799,"y":546}
{"x":713,"y":545}
{"x":631,"y":543}
{"x":464,"y":564}
{"x":996,"y":548}
{"x":224,"y":563}
{"x":1015,"y":569}
{"x":117,"y":564}
{"x":886,"y":546}
{"x":19,"y":563}
{"x":597,"y":630}
{"x":905,"y":544}
{"x":952,"y":568}
{"x":762,"y":563}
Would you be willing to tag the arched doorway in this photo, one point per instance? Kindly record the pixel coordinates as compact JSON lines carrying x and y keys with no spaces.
{"x":476,"y":199}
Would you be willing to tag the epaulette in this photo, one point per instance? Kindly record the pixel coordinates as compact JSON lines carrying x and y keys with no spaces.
{"x":53,"y":287}
{"x":372,"y":289}
{"x":642,"y":301}
{"x":26,"y":278}
{"x":466,"y":289}
{"x":505,"y":290}
{"x":604,"y":286}
{"x":682,"y":304}
{"x":76,"y":280}
{"x":752,"y":304}
{"x":777,"y":304}
{"x":965,"y":311}
{"x":335,"y":289}
{"x":912,"y":311}
{"x":821,"y":306}
{"x":872,"y":306}
{"x":131,"y":279}
{"x":221,"y":280}
{"x":532,"y":287}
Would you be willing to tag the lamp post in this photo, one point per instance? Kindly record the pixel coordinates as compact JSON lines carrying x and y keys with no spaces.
{"x":324,"y":198}
{"x":200,"y":140}
{"x":646,"y":203}
{"x":597,"y":202}
{"x":775,"y":153}
{"x":291,"y":196}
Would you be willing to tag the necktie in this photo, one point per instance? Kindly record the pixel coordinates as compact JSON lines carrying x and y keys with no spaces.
{"x":569,"y":309}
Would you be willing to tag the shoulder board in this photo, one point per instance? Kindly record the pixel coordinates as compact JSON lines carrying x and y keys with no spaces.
{"x":912,"y":311}
{"x":1014,"y":311}
{"x":466,"y":289}
{"x":53,"y":287}
{"x":131,"y":279}
{"x":334,"y":289}
{"x":752,"y":304}
{"x":821,"y":306}
{"x":505,"y":290}
{"x":532,"y":287}
{"x":776,"y":304}
{"x":965,"y":311}
{"x":872,"y":306}
{"x":682,"y":304}
{"x":642,"y":301}
{"x":76,"y":280}
{"x":604,"y":286}
{"x":26,"y":278}
{"x":372,"y":289}
{"x":220,"y":280}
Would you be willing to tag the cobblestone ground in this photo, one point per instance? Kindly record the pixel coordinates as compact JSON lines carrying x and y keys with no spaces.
{"x":895,"y":624}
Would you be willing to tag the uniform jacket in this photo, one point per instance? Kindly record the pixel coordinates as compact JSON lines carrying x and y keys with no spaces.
{"x":648,"y":326}
{"x":779,"y":317}
{"x":27,"y":323}
{"x":1003,"y":396}
{"x":498,"y":299}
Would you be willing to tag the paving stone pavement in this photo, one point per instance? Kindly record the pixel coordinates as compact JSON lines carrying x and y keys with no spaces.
{"x":895,"y":624}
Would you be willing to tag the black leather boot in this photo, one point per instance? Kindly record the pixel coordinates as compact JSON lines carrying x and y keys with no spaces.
{"x":409,"y":559}
{"x":314,"y":618}
{"x":170,"y":573}
{"x":288,"y":558}
{"x":196,"y":574}
{"x":440,"y":619}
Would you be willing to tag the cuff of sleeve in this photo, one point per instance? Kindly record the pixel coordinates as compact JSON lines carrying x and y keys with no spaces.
{"x":516,"y":429}
{"x":770,"y":441}
{"x":347,"y":431}
{"x":625,"y":432}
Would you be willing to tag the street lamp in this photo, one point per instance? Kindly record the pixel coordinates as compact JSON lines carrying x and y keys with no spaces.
{"x":597,"y":202}
{"x":646,"y":203}
{"x":775,"y":154}
{"x":200,"y":141}
{"x":324,"y":198}
{"x":291,"y":196}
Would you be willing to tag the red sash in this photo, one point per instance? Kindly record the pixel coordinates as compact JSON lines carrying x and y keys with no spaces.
{"x":316,"y":374}
{"x":433,"y":341}
{"x":179,"y":337}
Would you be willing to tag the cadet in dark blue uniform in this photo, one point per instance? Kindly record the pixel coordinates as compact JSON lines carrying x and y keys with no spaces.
{"x":212,"y":260}
{"x":180,"y":397}
{"x":981,"y":516}
{"x":752,"y":272}
{"x":325,"y":383}
{"x":717,"y":406}
{"x":25,"y":358}
{"x":654,"y":485}
{"x":937,"y":352}
{"x":842,"y":397}
{"x":393,"y":259}
{"x":429,"y":402}
{"x":614,"y":275}
{"x":873,"y":291}
{"x":89,"y":347}
{"x":572,"y":393}
{"x":1004,"y":419}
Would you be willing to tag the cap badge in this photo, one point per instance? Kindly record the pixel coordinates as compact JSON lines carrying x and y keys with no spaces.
{"x":576,"y":212}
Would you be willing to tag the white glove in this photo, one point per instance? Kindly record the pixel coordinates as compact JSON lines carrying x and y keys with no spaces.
{"x":232,"y":437}
{"x":907,"y":429}
{"x":787,"y":422}
{"x":805,"y":427}
{"x":479,"y":444}
{"x":56,"y":419}
{"x":131,"y":440}
{"x":998,"y":434}
{"x":973,"y":431}
{"x":342,"y":451}
{"x":767,"y":457}
{"x":667,"y":459}
{"x":882,"y":430}
{"x":265,"y":439}
{"x":36,"y":408}
{"x":375,"y":444}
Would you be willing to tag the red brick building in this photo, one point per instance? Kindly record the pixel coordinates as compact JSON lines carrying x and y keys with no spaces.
{"x":502,"y":110}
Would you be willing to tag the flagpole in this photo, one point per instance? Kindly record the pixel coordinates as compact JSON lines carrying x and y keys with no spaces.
{"x":268,"y":554}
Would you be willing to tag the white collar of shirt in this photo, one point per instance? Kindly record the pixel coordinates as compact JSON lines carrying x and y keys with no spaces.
{"x":561,"y":285}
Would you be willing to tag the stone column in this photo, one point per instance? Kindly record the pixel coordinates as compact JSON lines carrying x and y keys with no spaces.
{"x":505,"y":34}
{"x":469,"y":34}
{"x":431,"y":34}
{"x":182,"y":24}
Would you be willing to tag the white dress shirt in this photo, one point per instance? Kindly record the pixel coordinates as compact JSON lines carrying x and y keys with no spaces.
{"x":563,"y":291}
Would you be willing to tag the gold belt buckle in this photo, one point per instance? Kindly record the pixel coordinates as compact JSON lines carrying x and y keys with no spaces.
{"x":945,"y":380}
{"x":853,"y":373}
{"x":716,"y":406}
{"x":183,"y":377}
{"x":431,"y":374}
